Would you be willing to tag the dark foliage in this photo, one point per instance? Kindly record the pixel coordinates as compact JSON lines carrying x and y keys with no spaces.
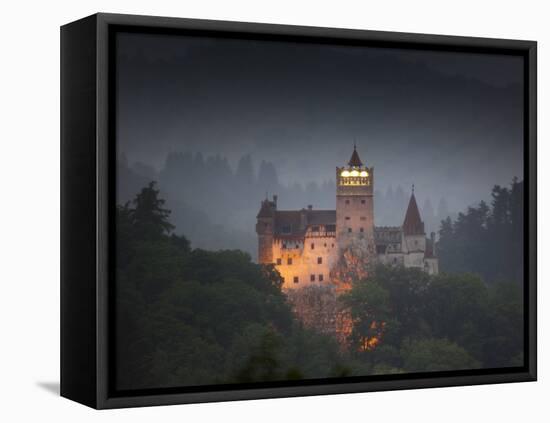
{"x":194,"y":317}
{"x":189,"y":317}
{"x":487,"y":239}
{"x":444,"y":322}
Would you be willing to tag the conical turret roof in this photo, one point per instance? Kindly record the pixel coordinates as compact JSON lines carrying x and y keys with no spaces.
{"x":413,"y":224}
{"x":355,"y":161}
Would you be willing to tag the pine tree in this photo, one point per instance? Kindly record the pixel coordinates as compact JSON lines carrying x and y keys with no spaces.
{"x":149,"y":218}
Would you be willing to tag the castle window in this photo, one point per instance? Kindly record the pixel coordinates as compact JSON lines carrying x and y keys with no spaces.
{"x":279,"y":261}
{"x":320,"y":278}
{"x":319,"y":260}
{"x":347,"y":218}
{"x":347,"y":201}
{"x":325,"y":244}
{"x":363,"y":218}
{"x":363,"y":201}
{"x":296,"y":280}
{"x":349,"y":229}
{"x":312,"y":278}
{"x":361,"y":230}
{"x":289,"y":261}
{"x":332,"y":245}
{"x":312,"y":245}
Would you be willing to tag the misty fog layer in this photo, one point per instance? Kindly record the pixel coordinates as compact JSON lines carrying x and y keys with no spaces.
{"x":221,"y":122}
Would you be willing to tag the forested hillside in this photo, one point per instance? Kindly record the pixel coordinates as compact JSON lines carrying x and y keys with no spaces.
{"x":187,"y":316}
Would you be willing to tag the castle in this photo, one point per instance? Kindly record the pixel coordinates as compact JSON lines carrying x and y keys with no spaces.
{"x":306,"y":245}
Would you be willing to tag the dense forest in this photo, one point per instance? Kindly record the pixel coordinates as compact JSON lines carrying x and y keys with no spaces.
{"x":487,"y":239}
{"x":186,"y":316}
{"x":191,"y":317}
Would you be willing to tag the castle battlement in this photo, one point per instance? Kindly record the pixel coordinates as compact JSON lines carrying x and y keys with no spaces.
{"x":305,"y":245}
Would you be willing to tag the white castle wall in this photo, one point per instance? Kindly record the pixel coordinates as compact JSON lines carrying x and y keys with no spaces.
{"x":304,"y":260}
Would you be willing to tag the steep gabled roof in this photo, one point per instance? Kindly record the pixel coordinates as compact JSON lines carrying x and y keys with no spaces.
{"x":292,"y":223}
{"x":355,"y":161}
{"x":287,"y":222}
{"x":413,"y":225}
{"x":321,"y":217}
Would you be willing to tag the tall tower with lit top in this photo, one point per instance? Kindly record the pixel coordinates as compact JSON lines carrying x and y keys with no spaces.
{"x":355,"y":206}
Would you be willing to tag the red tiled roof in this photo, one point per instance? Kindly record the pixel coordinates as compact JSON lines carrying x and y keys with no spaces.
{"x":289,"y":222}
{"x":413,"y":225}
{"x":321,"y":217}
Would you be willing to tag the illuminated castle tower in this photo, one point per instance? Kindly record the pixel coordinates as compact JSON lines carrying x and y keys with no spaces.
{"x":307,"y":246}
{"x":354,"y":206}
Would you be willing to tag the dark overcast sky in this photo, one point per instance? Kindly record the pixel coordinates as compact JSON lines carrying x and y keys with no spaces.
{"x":451,"y":123}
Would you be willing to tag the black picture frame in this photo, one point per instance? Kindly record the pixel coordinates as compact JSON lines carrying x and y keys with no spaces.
{"x":87,"y":198}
